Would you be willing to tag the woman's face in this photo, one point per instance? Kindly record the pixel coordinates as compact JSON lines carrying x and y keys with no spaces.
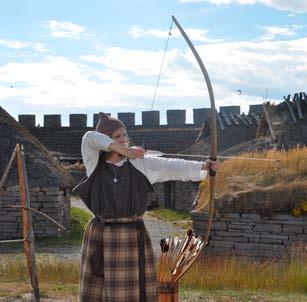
{"x":120,"y":136}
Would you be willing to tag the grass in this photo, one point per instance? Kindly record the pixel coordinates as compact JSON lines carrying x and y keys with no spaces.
{"x":79,"y":219}
{"x":179,"y":218}
{"x":73,"y":237}
{"x":238,"y":274}
{"x":224,"y":295}
{"x":282,"y":184}
{"x":210,"y":279}
{"x":215,"y":278}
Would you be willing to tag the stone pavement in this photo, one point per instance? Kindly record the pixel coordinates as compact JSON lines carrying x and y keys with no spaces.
{"x":157,"y":229}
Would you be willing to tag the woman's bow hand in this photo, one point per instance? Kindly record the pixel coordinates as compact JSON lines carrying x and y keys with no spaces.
{"x":210,"y":164}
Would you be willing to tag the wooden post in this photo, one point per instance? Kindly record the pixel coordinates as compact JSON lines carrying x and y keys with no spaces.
{"x":266,"y":107}
{"x":27,"y":222}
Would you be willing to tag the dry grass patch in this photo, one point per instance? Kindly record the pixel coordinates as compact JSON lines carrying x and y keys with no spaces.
{"x":213,"y":272}
{"x":261,"y":186}
{"x":60,"y":279}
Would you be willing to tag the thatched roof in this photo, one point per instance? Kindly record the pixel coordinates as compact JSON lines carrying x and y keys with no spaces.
{"x":237,"y":147}
{"x":42,"y":169}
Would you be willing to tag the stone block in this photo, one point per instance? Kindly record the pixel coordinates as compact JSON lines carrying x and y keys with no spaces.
{"x":237,"y":239}
{"x":9,"y":225}
{"x":221,"y":226}
{"x":150,"y":118}
{"x":230,"y":217}
{"x":53,"y":192}
{"x":230,"y":109}
{"x":240,"y":226}
{"x":9,"y":218}
{"x":34,"y":189}
{"x":52,"y":120}
{"x":49,"y":210}
{"x":226,"y":234}
{"x":297,"y":238}
{"x":78,"y":120}
{"x":27,"y":120}
{"x":44,"y":225}
{"x":286,"y":222}
{"x":128,"y":118}
{"x":284,"y":217}
{"x":292,"y":229}
{"x":255,"y":108}
{"x":201,"y":115}
{"x":274,"y":237}
{"x":271,"y":241}
{"x":49,"y":199}
{"x":176,"y":117}
{"x":268,"y":228}
{"x":224,"y":244}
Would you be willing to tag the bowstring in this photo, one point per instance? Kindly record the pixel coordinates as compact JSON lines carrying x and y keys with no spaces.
{"x":162,"y":64}
{"x":154,"y":98}
{"x":145,"y":170}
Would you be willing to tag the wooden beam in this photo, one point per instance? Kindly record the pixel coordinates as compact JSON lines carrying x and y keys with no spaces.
{"x":297,"y":101}
{"x":221,"y":124}
{"x":226,"y":118}
{"x":7,"y":169}
{"x":256,"y":117}
{"x":242,"y":120}
{"x":233,"y":118}
{"x":268,"y":119}
{"x":290,"y":109}
{"x":247,"y":118}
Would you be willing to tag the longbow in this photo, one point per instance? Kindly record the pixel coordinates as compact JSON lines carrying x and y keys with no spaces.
{"x":213,"y":152}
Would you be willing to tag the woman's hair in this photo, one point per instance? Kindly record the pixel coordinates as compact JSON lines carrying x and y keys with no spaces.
{"x":107,"y":124}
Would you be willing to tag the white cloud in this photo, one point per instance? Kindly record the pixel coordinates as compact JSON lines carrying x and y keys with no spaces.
{"x":39,"y":47}
{"x":125,"y":78}
{"x":15,"y":44}
{"x":18,"y":45}
{"x":272,"y":31}
{"x":65,"y":29}
{"x":195,"y":34}
{"x":67,"y":83}
{"x":140,"y":62}
{"x":137,"y":32}
{"x":295,"y":6}
{"x":280,"y":66}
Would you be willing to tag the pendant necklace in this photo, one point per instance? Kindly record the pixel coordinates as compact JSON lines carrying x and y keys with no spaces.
{"x":115,"y":180}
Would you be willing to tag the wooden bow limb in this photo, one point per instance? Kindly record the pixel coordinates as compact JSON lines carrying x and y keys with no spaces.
{"x":213,"y":152}
{"x":36,"y":211}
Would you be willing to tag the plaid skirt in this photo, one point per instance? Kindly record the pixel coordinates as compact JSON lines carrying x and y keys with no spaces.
{"x":121,"y":267}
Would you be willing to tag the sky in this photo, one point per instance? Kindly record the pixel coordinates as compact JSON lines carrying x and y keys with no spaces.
{"x":62,"y":57}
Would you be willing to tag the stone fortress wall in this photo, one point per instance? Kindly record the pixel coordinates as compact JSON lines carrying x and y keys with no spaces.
{"x":173,"y":137}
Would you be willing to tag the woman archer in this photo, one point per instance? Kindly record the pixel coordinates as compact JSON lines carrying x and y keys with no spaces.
{"x":117,"y":262}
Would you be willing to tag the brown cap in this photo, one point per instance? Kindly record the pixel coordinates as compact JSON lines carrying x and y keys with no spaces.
{"x":107,"y":124}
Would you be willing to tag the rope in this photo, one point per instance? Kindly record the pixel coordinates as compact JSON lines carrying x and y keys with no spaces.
{"x":165,"y":49}
{"x":36,"y":211}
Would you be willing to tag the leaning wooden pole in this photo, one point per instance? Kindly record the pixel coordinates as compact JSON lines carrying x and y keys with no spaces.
{"x":7,"y":169}
{"x":28,"y":234}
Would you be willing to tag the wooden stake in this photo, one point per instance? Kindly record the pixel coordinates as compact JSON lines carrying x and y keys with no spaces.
{"x":28,"y":234}
{"x":7,"y":169}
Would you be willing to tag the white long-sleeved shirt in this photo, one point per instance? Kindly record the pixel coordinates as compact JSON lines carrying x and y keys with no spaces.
{"x":156,"y":169}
